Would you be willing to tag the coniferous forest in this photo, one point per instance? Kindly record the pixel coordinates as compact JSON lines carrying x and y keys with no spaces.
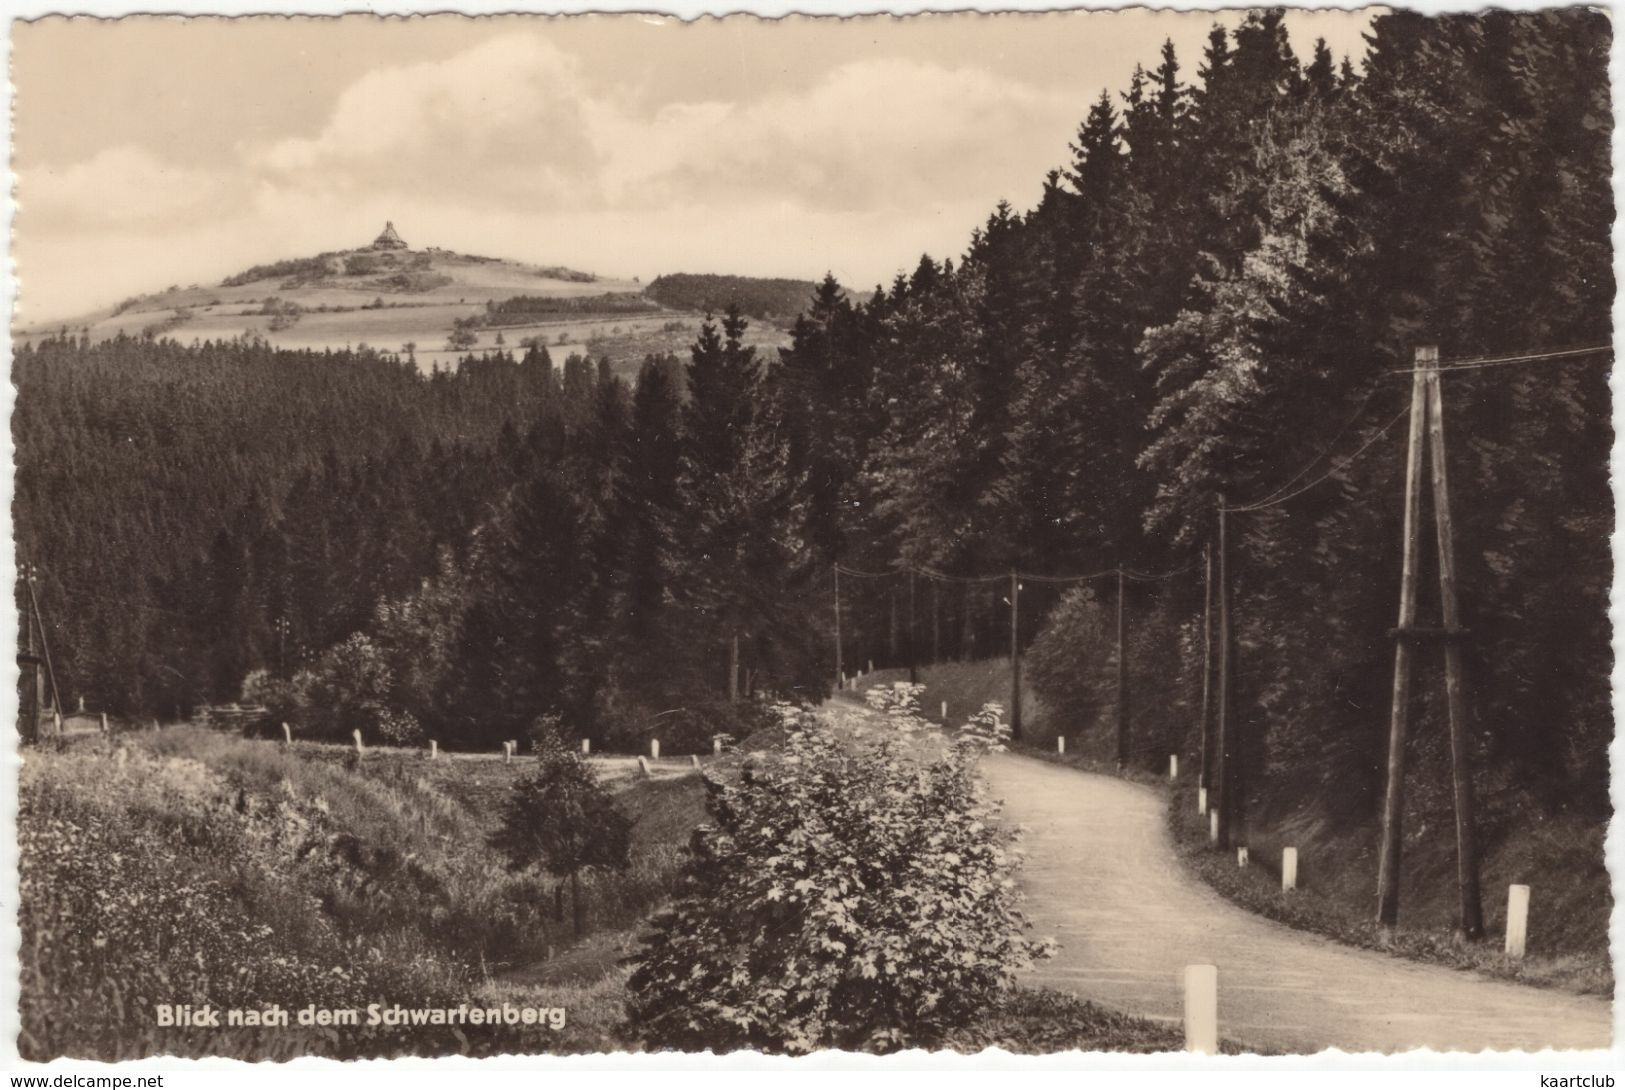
{"x":1222,"y":287}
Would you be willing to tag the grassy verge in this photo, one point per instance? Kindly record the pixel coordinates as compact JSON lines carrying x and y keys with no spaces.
{"x":196,"y":867}
{"x":1037,"y":1021}
{"x":1257,"y":888}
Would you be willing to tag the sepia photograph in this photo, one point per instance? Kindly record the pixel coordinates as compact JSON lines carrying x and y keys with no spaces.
{"x":1049,"y":532}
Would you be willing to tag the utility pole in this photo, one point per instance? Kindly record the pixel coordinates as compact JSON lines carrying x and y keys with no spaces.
{"x":967,"y":624}
{"x":1122,"y":680}
{"x":281,"y":647}
{"x":44,"y":640}
{"x":913,"y":633}
{"x":840,"y":665}
{"x":1472,"y":909}
{"x":1393,"y":804}
{"x":936,"y":623}
{"x":891,"y":631}
{"x":29,"y":664}
{"x":1202,"y":779}
{"x":733,"y":668}
{"x":1226,"y":750}
{"x":1015,"y":656}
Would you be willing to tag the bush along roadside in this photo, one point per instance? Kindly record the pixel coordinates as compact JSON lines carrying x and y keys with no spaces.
{"x":1257,"y":888}
{"x":846,"y":895}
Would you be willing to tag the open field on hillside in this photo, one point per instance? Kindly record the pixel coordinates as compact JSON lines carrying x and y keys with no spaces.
{"x":410,"y":297}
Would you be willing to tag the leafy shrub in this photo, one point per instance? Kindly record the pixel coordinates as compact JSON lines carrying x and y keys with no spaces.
{"x":561,"y":819}
{"x":349,"y":688}
{"x":399,"y":728}
{"x":548,"y":730}
{"x":286,"y":701}
{"x":845,"y":896}
{"x":987,"y":728}
{"x":900,"y":703}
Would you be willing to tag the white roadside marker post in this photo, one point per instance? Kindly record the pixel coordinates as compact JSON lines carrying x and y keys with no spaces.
{"x":944,"y":711}
{"x":1201,"y":800}
{"x":1202,"y":1009}
{"x":1289,"y":868}
{"x":654,"y":749}
{"x":586,"y":747}
{"x":104,"y":722}
{"x":434,"y":749}
{"x":694,"y":758}
{"x":1213,"y":826}
{"x":507,"y":752}
{"x":716,"y":746}
{"x":1060,"y":743}
{"x":1241,"y":857}
{"x":1517,"y":920}
{"x":360,"y":750}
{"x":1173,"y":767}
{"x":287,"y":735}
{"x":643,"y":765}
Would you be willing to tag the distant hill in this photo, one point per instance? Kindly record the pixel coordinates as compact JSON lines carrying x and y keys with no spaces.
{"x":439,"y":306}
{"x":768,"y":300}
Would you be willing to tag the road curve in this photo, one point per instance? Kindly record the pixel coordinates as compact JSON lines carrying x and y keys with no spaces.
{"x":1101,"y":876}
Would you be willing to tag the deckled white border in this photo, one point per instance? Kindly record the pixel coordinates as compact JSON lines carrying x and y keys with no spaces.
{"x":1413,"y":1069}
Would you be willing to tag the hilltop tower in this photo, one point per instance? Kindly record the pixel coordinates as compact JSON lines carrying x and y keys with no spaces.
{"x":388,"y":239}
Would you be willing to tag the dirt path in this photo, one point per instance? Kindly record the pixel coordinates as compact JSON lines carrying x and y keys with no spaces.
{"x":1102,"y":876}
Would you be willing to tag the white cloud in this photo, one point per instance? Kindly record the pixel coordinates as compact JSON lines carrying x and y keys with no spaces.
{"x":506,"y":149}
{"x":870,"y":135}
{"x":120,"y":187}
{"x":512,"y":124}
{"x":506,"y":120}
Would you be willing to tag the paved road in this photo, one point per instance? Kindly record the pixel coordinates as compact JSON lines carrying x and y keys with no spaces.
{"x":1102,"y":876}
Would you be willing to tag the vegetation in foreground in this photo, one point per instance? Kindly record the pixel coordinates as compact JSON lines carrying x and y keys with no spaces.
{"x":191,"y":866}
{"x":195,"y":867}
{"x":846,"y":894}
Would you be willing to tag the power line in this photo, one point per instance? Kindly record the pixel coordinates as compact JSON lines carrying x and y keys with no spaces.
{"x":1026,"y":577}
{"x":1464,"y":363}
{"x":1474,"y":363}
{"x":1334,"y":470}
{"x":1327,"y":449}
{"x":861,"y":574}
{"x":1144,"y":577}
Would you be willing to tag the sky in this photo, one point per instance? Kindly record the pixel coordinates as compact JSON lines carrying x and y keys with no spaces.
{"x":151,"y":151}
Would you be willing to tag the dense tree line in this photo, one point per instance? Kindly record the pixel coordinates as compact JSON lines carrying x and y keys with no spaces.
{"x":197,"y":511}
{"x":756,"y":297}
{"x":455,"y":553}
{"x":1214,"y":292}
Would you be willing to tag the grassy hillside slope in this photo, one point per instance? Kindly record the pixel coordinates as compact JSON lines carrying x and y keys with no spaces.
{"x":390,"y":299}
{"x":195,"y":867}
